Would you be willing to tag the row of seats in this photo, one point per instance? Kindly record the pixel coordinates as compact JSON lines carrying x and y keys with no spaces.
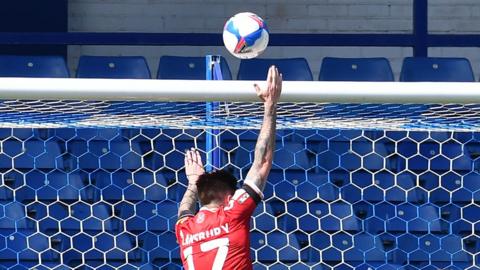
{"x":294,"y":69}
{"x":328,"y":214}
{"x":292,"y":248}
{"x":285,"y":190}
{"x":334,"y":218}
{"x":52,"y":217}
{"x":127,"y":154}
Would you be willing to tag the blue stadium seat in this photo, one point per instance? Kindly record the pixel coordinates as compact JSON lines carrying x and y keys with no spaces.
{"x":439,"y":197}
{"x":74,"y":190}
{"x":24,"y":248}
{"x":13,"y":181}
{"x":293,"y":69}
{"x":99,"y":219}
{"x":373,"y":194}
{"x":428,"y":221}
{"x":114,"y":256}
{"x":188,"y":68}
{"x":6,"y":194}
{"x":113,"y":67}
{"x":418,"y":69}
{"x":366,"y":248}
{"x":33,"y":66}
{"x":264,"y":217}
{"x":109,"y":155}
{"x":355,"y":69}
{"x":14,"y":219}
{"x":335,"y":217}
{"x":164,"y":219}
{"x":40,"y":155}
{"x":161,"y":249}
{"x":168,"y":242}
{"x":291,"y":155}
{"x":288,"y":248}
{"x":451,"y":252}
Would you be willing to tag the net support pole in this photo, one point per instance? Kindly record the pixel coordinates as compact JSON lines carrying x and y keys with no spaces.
{"x":213,"y":72}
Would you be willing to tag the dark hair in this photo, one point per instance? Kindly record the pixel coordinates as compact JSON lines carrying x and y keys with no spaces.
{"x":214,"y":186}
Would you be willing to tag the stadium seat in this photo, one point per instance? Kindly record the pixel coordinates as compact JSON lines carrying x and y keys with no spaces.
{"x":100,"y":215}
{"x":116,"y":256}
{"x":367,"y":248}
{"x":264,"y":217}
{"x":33,"y":66}
{"x":164,"y":218}
{"x":113,"y":67}
{"x":292,"y":156}
{"x":39,"y":154}
{"x":161,"y":249}
{"x":451,"y":252}
{"x":24,"y":248}
{"x":14,"y":219}
{"x":292,"y":69}
{"x":328,"y":192}
{"x":428,"y":221}
{"x":288,"y":248}
{"x":423,"y":69}
{"x":188,"y":68}
{"x":76,"y":188}
{"x":355,"y":69}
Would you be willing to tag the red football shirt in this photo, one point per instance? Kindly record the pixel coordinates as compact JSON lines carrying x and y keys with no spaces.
{"x":216,"y":239}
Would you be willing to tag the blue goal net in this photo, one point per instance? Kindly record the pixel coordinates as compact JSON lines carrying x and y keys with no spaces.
{"x":90,"y":184}
{"x":335,"y":199}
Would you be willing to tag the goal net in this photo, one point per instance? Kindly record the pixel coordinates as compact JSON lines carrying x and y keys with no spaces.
{"x":182,"y":104}
{"x":365,"y":176}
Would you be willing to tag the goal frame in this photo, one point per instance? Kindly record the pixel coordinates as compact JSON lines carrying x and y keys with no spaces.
{"x":241,"y":91}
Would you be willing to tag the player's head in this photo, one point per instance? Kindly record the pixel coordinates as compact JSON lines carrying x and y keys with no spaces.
{"x":215,"y":186}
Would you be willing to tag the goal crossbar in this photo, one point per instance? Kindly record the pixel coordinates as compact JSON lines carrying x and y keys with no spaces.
{"x":237,"y":91}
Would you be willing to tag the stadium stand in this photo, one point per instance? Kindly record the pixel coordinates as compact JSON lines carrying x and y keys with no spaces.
{"x":335,"y":199}
{"x":376,"y":199}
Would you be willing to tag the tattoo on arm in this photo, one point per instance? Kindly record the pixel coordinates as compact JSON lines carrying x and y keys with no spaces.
{"x":264,"y":149}
{"x":189,"y":201}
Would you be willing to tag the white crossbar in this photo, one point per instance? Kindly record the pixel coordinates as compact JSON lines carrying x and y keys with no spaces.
{"x":191,"y":90}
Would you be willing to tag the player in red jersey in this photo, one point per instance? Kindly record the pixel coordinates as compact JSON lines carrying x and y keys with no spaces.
{"x":217,"y":237}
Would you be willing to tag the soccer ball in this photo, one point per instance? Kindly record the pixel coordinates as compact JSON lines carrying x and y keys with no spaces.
{"x":245,"y":35}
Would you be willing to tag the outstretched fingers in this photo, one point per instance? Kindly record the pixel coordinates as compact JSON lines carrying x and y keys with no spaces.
{"x":275,"y":76}
{"x":270,"y":74}
{"x":279,"y":83}
{"x":187,"y":158}
{"x":199,"y":158}
{"x":257,"y":89}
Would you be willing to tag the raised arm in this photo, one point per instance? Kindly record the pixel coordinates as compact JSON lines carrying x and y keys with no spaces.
{"x":266,"y":139}
{"x":193,"y":169}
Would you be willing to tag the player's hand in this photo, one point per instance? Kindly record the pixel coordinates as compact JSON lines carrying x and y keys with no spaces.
{"x":193,"y":165}
{"x":271,"y":94}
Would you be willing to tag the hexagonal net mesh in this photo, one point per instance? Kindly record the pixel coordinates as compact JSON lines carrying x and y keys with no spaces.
{"x":335,"y":199}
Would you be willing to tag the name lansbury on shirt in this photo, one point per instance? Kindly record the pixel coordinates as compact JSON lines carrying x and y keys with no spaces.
{"x":196,"y":237}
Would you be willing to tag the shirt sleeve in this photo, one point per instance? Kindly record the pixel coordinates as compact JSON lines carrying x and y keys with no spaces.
{"x":185,"y":214}
{"x":243,"y":202}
